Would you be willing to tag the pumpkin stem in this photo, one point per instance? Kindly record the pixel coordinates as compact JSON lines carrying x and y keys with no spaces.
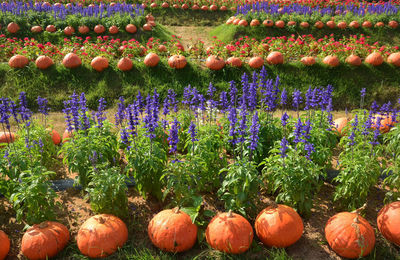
{"x":176,"y":210}
{"x":230,"y":215}
{"x":359,"y":210}
{"x":271,"y":203}
{"x":43,"y":225}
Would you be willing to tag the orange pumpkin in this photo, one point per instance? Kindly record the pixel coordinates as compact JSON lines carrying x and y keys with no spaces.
{"x":350,"y":235}
{"x":223,"y":8}
{"x":69,"y":30}
{"x":147,"y":27}
{"x":379,"y":24}
{"x":83,"y":29}
{"x":243,"y":23}
{"x":12,"y":27}
{"x":236,"y":21}
{"x":36,"y":29}
{"x":175,"y":6}
{"x":151,"y":59}
{"x":130,"y":28}
{"x":165,"y":5}
{"x":4,"y":245}
{"x":331,"y":60}
{"x":375,"y":59}
{"x":18,"y":61}
{"x":172,"y":230}
{"x":67,"y":135}
{"x":204,"y":8}
{"x":353,"y":60}
{"x":125,"y":64}
{"x":308,"y":60}
{"x":342,"y":25}
{"x":339,"y":124}
{"x":101,"y":235}
{"x":319,"y":25}
{"x":256,"y":62}
{"x":230,"y":233}
{"x":215,"y":63}
{"x":55,"y":136}
{"x":331,"y":24}
{"x":213,"y":7}
{"x":230,"y":20}
{"x":51,"y":28}
{"x":385,"y":122}
{"x":43,"y":62}
{"x":185,"y":7}
{"x":153,"y":5}
{"x":367,"y":24}
{"x":393,"y":24}
{"x":279,"y":226}
{"x":177,"y":61}
{"x":254,"y":22}
{"x":152,"y":23}
{"x":99,"y":63}
{"x":275,"y":57}
{"x":150,"y":17}
{"x":280,"y":24}
{"x":234,"y":62}
{"x":304,"y":25}
{"x":162,"y":48}
{"x":291,"y":23}
{"x":44,"y":240}
{"x":113,"y":29}
{"x":268,"y":23}
{"x":389,"y":222}
{"x":7,"y":137}
{"x":354,"y":24}
{"x":394,"y":59}
{"x":99,"y":29}
{"x":71,"y":60}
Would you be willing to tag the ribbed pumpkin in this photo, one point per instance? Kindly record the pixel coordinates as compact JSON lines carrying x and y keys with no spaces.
{"x":331,"y":24}
{"x":275,"y":58}
{"x":125,"y":64}
{"x":304,"y":25}
{"x":130,"y":28}
{"x":18,"y":61}
{"x":215,"y":63}
{"x":165,"y":5}
{"x":342,"y":25}
{"x":234,"y":62}
{"x":280,"y":24}
{"x":393,"y":24}
{"x":268,"y":23}
{"x":4,"y":245}
{"x":379,"y":24}
{"x":151,"y":60}
{"x":7,"y":137}
{"x":339,"y":124}
{"x":101,"y":235}
{"x":291,"y":23}
{"x":243,"y":23}
{"x":331,"y":60}
{"x":150,"y":17}
{"x":254,"y":22}
{"x":394,"y":59}
{"x":236,"y":21}
{"x":223,"y":8}
{"x":213,"y":7}
{"x":99,"y":63}
{"x":177,"y":61}
{"x":386,"y":123}
{"x":83,"y":29}
{"x":71,"y":60}
{"x":69,"y":30}
{"x":153,"y":5}
{"x":172,"y":230}
{"x":230,"y":233}
{"x":51,"y":28}
{"x":367,"y":24}
{"x":43,"y":62}
{"x":44,"y":240}
{"x":162,"y":48}
{"x":152,"y":23}
{"x":353,"y":60}
{"x":375,"y":59}
{"x":147,"y":27}
{"x":256,"y":62}
{"x":67,"y":135}
{"x":350,"y":235}
{"x":319,"y":25}
{"x":176,"y":6}
{"x":12,"y":27}
{"x":113,"y":29}
{"x":389,"y":222}
{"x":55,"y":136}
{"x":204,"y":8}
{"x":99,"y":29}
{"x":308,"y":60}
{"x":278,"y":225}
{"x":354,"y":24}
{"x":230,"y":20}
{"x":185,"y":7}
{"x":36,"y":29}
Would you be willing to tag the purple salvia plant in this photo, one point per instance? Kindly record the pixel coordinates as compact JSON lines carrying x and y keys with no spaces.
{"x":297,"y":100}
{"x":233,"y":93}
{"x":84,"y":122}
{"x":223,"y":102}
{"x":187,"y":93}
{"x":120,"y":114}
{"x":232,"y":117}
{"x":284,"y":119}
{"x":43,"y":106}
{"x":243,"y":123}
{"x":192,"y":131}
{"x":298,"y":132}
{"x":362,"y":92}
{"x":284,"y":147}
{"x":283,"y":101}
{"x":173,"y":137}
{"x":100,"y":115}
{"x":24,"y":112}
{"x":254,"y":130}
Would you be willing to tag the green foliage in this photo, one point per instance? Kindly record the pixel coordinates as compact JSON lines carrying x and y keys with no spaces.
{"x":392,"y":149}
{"x":107,"y":191}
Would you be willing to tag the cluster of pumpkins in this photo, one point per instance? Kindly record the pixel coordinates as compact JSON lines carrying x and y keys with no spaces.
{"x":319,"y":25}
{"x":172,"y":230}
{"x":10,"y":137}
{"x":341,"y":124}
{"x":195,"y":6}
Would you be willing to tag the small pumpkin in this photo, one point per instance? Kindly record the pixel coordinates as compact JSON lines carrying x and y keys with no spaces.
{"x":55,"y":136}
{"x":177,"y":61}
{"x":394,"y":59}
{"x":213,"y":7}
{"x":331,"y":60}
{"x":150,"y":17}
{"x":389,"y":222}
{"x":234,"y":62}
{"x":153,"y":5}
{"x":204,"y":8}
{"x":268,"y":23}
{"x":375,"y":59}
{"x":51,"y":28}
{"x":304,"y":25}
{"x":354,"y":24}
{"x":275,"y":58}
{"x":99,"y":29}
{"x":230,"y":233}
{"x":308,"y":60}
{"x":339,"y":125}
{"x":36,"y":29}
{"x":353,"y":60}
{"x":172,"y":230}
{"x":165,"y":5}
{"x":13,"y":27}
{"x":291,"y":23}
{"x":280,"y":24}
{"x":113,"y":29}
{"x":151,"y":59}
{"x":379,"y":24}
{"x":125,"y":64}
{"x":243,"y":23}
{"x":386,"y":123}
{"x":147,"y":27}
{"x":342,"y":25}
{"x":350,"y":235}
{"x":44,"y":240}
{"x":215,"y":63}
{"x":256,"y":62}
{"x":176,"y":6}
{"x":7,"y":137}
{"x":67,"y":135}
{"x":236,"y":21}
{"x":254,"y":22}
{"x":43,"y":62}
{"x":367,"y":24}
{"x":185,"y":7}
{"x":99,"y":63}
{"x":69,"y":30}
{"x":130,"y":28}
{"x":4,"y":245}
{"x":162,"y":48}
{"x":393,"y":24}
{"x":331,"y":24}
{"x":18,"y":61}
{"x":223,"y":8}
{"x":319,"y":25}
{"x":83,"y":29}
{"x":101,"y":235}
{"x":278,"y":225}
{"x":71,"y":60}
